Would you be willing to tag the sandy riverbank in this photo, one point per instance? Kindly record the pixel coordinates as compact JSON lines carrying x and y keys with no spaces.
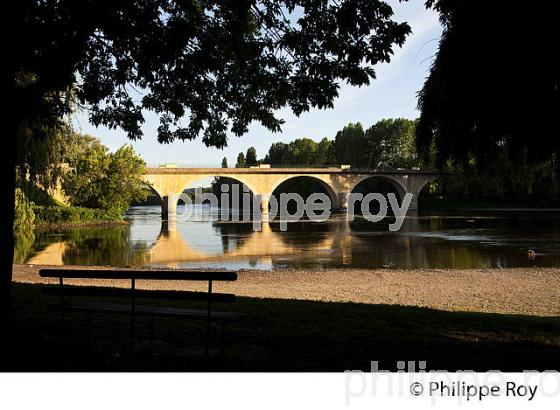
{"x":533,"y":291}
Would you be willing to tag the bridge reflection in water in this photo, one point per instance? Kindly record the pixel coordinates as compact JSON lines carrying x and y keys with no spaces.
{"x":469,"y":240}
{"x":227,"y":244}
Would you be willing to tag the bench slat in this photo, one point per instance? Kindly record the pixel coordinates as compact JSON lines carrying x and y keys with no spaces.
{"x":86,"y":291}
{"x":102,"y":307}
{"x":139,"y":274}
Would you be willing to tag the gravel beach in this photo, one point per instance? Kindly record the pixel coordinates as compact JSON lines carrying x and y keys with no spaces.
{"x":526,"y":291}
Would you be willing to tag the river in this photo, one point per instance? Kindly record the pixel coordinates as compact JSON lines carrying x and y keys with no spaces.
{"x":469,"y":239}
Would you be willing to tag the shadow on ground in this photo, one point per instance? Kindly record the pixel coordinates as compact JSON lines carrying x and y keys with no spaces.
{"x":286,"y":335}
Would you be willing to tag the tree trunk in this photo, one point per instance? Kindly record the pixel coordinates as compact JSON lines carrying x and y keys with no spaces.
{"x":8,"y":327}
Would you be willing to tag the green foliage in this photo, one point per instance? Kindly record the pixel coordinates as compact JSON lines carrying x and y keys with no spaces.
{"x":24,"y":215}
{"x":72,"y":214}
{"x":278,"y":154}
{"x":77,"y":145}
{"x":41,"y":149}
{"x":493,"y":86}
{"x":108,"y":181}
{"x":502,"y":182}
{"x":224,"y":163}
{"x":388,"y":143}
{"x":225,"y":63}
{"x":489,"y":111}
{"x":251,"y":157}
{"x":36,"y":194}
{"x":240,"y":161}
{"x":24,"y":220}
{"x":324,"y":154}
{"x":350,"y":146}
{"x":391,"y":143}
{"x":302,"y":151}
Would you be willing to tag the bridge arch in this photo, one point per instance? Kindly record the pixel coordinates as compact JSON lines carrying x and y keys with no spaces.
{"x":238,"y":178}
{"x":154,"y":191}
{"x":325,"y":183}
{"x":381,"y":184}
{"x":396,"y":183}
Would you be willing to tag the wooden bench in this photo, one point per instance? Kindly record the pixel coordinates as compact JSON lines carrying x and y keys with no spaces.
{"x":71,"y":297}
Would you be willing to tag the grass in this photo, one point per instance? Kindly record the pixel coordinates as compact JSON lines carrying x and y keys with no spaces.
{"x":288,"y":335}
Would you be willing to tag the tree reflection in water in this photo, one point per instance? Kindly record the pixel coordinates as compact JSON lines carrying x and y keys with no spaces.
{"x":425,"y":241}
{"x":86,"y":246}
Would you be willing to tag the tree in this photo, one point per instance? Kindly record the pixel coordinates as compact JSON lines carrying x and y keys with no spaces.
{"x":391,"y":143}
{"x":106,"y":181}
{"x":350,"y":146}
{"x":302,"y":151}
{"x":224,"y":163}
{"x":77,"y":145}
{"x":251,"y":157}
{"x":494,"y":83}
{"x":23,"y":226}
{"x":218,"y":66}
{"x":24,"y":215}
{"x":40,"y":149}
{"x":277,"y":153}
{"x":324,"y":155}
{"x":240,"y":161}
{"x":490,"y":104}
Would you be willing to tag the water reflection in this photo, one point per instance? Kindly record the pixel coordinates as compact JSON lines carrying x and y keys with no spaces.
{"x":424,"y":241}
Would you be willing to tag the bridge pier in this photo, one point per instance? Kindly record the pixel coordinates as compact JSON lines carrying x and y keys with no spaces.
{"x":342,"y":201}
{"x":264,"y":204}
{"x":168,"y":227}
{"x":414,"y":186}
{"x":414,"y":202}
{"x":169,"y":206}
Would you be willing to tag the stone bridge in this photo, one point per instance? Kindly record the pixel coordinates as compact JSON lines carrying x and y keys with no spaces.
{"x":169,"y":182}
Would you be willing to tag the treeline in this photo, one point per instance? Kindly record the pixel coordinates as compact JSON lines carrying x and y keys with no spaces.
{"x":510,"y":178}
{"x":387,"y":143}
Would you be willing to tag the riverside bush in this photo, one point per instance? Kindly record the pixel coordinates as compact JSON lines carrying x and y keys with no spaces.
{"x":72,"y":214}
{"x":24,"y":214}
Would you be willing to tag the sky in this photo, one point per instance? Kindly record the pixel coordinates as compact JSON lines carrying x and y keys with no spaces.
{"x":393,"y":94}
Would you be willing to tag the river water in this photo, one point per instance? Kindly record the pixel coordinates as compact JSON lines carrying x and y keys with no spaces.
{"x":470,"y":239}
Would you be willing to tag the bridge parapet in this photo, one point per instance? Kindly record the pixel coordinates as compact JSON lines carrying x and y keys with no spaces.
{"x":290,"y":170}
